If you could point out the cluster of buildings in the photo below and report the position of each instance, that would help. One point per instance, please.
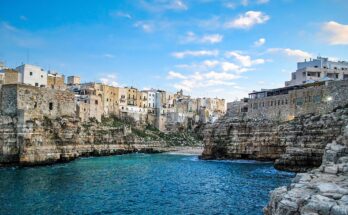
(46, 93)
(318, 86)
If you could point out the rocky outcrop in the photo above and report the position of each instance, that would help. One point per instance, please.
(320, 191)
(296, 145)
(47, 141)
(242, 139)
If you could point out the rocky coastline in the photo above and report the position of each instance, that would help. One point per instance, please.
(297, 145)
(321, 191)
(314, 146)
(49, 141)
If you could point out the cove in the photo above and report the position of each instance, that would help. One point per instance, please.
(140, 184)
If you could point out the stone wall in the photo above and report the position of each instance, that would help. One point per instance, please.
(33, 102)
(316, 98)
(296, 145)
(320, 191)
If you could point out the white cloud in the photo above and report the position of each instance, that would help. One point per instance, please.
(244, 2)
(213, 38)
(121, 14)
(260, 42)
(335, 33)
(109, 79)
(262, 1)
(191, 37)
(145, 26)
(220, 76)
(227, 66)
(211, 63)
(163, 5)
(175, 75)
(245, 60)
(8, 26)
(108, 56)
(297, 53)
(199, 53)
(234, 4)
(202, 80)
(248, 20)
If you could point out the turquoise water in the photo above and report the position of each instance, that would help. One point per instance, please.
(140, 184)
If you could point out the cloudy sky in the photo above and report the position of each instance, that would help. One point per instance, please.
(222, 48)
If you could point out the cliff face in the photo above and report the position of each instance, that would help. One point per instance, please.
(320, 191)
(48, 141)
(297, 145)
(237, 139)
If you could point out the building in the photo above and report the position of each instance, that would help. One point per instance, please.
(89, 107)
(28, 102)
(56, 81)
(11, 76)
(285, 103)
(122, 99)
(74, 80)
(320, 69)
(32, 75)
(142, 99)
(132, 96)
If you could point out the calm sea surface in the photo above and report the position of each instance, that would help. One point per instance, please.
(140, 184)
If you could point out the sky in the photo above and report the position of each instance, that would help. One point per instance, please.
(208, 48)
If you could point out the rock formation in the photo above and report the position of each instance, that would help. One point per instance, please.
(297, 145)
(49, 141)
(320, 191)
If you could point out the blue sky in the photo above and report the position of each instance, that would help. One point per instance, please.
(223, 48)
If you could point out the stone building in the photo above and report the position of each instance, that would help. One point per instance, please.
(28, 102)
(89, 107)
(122, 99)
(320, 69)
(132, 96)
(74, 80)
(32, 75)
(142, 99)
(286, 103)
(10, 76)
(56, 81)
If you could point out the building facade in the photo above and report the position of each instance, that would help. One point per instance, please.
(320, 69)
(32, 75)
(74, 80)
(56, 81)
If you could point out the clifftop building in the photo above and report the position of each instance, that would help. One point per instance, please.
(320, 69)
(74, 80)
(32, 75)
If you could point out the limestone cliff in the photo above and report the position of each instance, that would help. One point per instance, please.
(65, 138)
(320, 191)
(296, 145)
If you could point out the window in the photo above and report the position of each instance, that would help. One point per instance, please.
(96, 102)
(50, 106)
(31, 73)
(36, 84)
(316, 99)
(35, 105)
(299, 101)
(41, 76)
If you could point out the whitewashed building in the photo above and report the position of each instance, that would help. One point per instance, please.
(320, 69)
(32, 75)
